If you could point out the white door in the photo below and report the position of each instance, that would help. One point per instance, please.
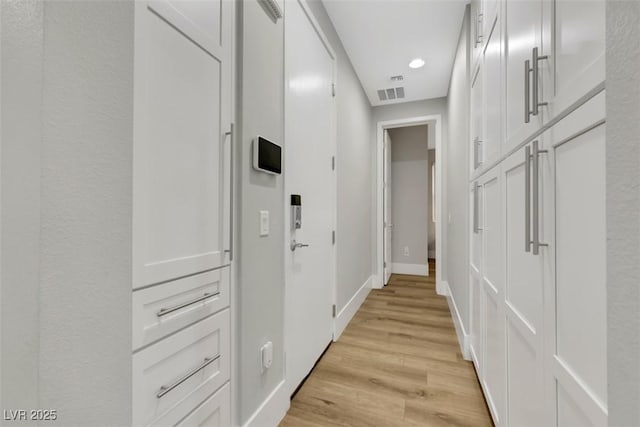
(492, 95)
(523, 296)
(578, 354)
(476, 122)
(492, 290)
(182, 114)
(388, 225)
(523, 33)
(475, 276)
(309, 147)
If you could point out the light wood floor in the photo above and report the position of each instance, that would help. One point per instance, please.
(398, 363)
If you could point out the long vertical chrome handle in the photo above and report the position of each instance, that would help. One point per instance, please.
(536, 77)
(476, 227)
(536, 198)
(527, 83)
(475, 153)
(231, 195)
(527, 199)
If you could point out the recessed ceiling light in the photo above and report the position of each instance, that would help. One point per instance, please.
(416, 63)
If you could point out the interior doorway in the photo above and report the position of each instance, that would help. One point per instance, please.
(386, 224)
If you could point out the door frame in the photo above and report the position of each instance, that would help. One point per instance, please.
(399, 123)
(334, 186)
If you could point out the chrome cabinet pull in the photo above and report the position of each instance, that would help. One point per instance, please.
(479, 29)
(231, 195)
(536, 77)
(527, 199)
(477, 152)
(476, 208)
(527, 84)
(166, 389)
(165, 311)
(536, 200)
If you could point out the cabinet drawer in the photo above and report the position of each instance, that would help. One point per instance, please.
(163, 309)
(214, 412)
(173, 376)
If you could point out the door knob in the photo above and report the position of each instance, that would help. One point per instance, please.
(295, 245)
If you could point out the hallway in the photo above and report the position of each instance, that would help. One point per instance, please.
(398, 363)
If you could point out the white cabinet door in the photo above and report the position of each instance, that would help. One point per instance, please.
(575, 35)
(578, 355)
(523, 28)
(182, 112)
(523, 296)
(476, 33)
(492, 272)
(476, 119)
(492, 96)
(475, 278)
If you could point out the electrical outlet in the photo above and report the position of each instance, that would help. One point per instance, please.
(406, 251)
(266, 353)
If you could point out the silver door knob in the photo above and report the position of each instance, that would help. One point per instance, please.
(295, 245)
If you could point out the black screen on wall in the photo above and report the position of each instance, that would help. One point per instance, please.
(269, 156)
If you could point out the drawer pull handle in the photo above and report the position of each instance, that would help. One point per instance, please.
(165, 311)
(167, 388)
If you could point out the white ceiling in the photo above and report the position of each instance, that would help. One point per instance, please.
(381, 37)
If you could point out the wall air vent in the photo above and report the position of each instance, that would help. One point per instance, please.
(391, 94)
(272, 8)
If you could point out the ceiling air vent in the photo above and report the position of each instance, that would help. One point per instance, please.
(272, 8)
(397, 78)
(391, 94)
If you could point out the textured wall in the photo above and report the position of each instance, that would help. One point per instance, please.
(86, 234)
(623, 211)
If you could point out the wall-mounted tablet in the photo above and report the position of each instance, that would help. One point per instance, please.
(267, 156)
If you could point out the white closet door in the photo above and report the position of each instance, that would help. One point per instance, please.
(576, 39)
(523, 20)
(475, 277)
(493, 379)
(579, 357)
(493, 95)
(523, 303)
(181, 150)
(476, 119)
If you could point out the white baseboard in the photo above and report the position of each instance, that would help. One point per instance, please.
(463, 337)
(413, 269)
(272, 410)
(348, 311)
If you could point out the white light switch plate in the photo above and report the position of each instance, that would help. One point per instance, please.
(264, 223)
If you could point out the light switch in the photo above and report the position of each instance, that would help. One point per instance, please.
(264, 223)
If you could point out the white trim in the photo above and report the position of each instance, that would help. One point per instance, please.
(349, 310)
(272, 410)
(379, 232)
(413, 269)
(463, 336)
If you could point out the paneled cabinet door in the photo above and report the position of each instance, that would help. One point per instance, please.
(476, 119)
(578, 354)
(575, 36)
(182, 114)
(476, 41)
(524, 83)
(475, 278)
(523, 290)
(492, 289)
(492, 96)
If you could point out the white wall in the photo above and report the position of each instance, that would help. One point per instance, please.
(22, 50)
(458, 177)
(409, 194)
(260, 285)
(623, 211)
(354, 170)
(402, 111)
(66, 209)
(431, 225)
(86, 212)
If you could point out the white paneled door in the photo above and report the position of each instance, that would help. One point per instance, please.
(309, 149)
(181, 151)
(388, 224)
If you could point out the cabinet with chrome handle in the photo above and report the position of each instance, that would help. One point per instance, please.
(532, 198)
(532, 102)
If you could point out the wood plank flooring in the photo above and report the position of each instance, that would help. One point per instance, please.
(398, 363)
